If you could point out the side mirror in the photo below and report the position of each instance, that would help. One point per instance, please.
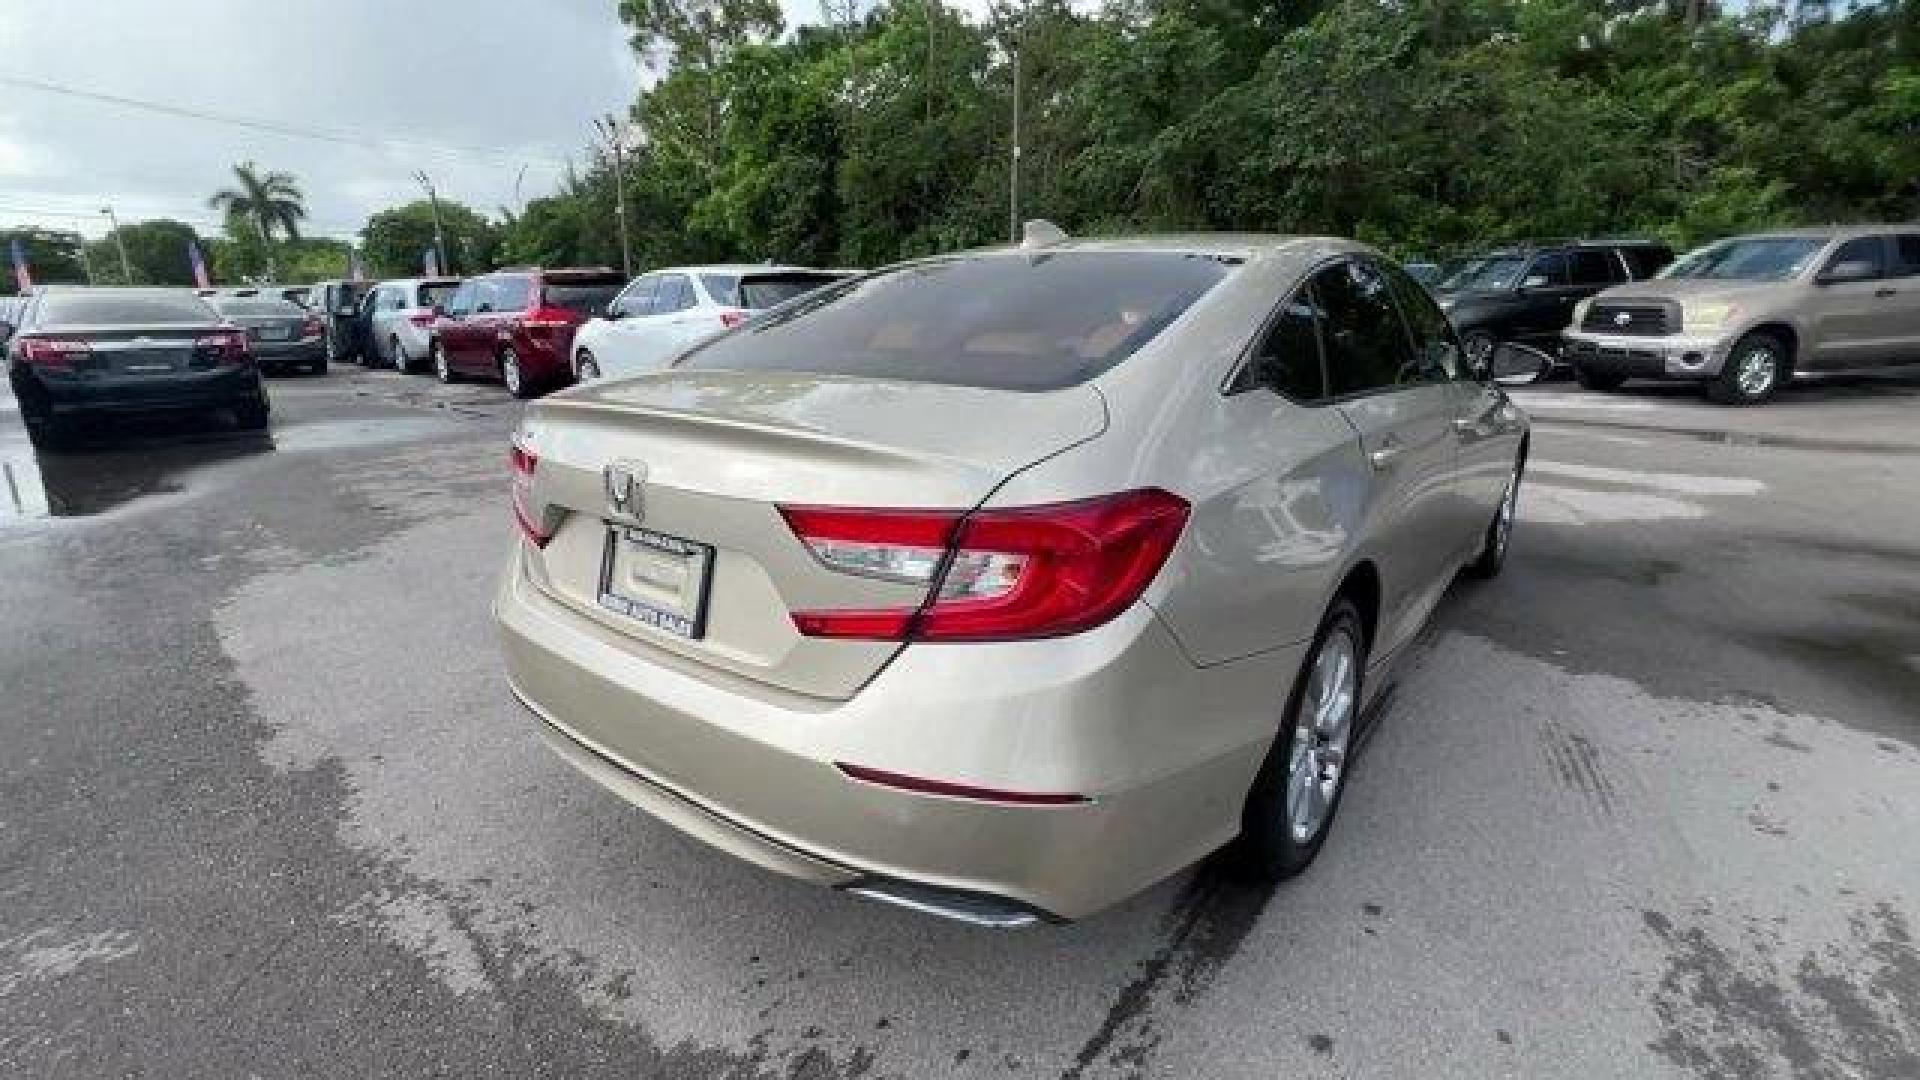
(1515, 365)
(1851, 270)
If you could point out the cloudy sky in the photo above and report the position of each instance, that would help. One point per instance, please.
(470, 91)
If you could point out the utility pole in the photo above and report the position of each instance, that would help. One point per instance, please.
(126, 265)
(86, 264)
(614, 131)
(1013, 165)
(439, 237)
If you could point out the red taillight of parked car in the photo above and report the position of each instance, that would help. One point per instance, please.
(53, 352)
(548, 319)
(226, 346)
(993, 575)
(312, 327)
(523, 461)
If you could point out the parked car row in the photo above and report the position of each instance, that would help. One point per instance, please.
(1741, 317)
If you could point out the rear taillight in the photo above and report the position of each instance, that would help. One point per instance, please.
(993, 575)
(53, 352)
(547, 319)
(312, 327)
(731, 319)
(226, 346)
(524, 461)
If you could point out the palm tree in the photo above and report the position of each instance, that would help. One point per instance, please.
(270, 202)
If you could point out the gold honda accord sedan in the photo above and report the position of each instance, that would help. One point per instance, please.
(1002, 585)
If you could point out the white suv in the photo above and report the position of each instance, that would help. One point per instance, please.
(663, 312)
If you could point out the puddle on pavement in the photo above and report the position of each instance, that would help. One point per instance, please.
(107, 471)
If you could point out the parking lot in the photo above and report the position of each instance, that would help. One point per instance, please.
(1644, 806)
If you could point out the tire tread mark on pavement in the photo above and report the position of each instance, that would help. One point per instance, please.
(1576, 761)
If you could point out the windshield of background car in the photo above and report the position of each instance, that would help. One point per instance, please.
(757, 291)
(583, 298)
(260, 309)
(1005, 321)
(1753, 258)
(1499, 272)
(130, 308)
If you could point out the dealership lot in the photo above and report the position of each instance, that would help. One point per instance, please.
(1641, 807)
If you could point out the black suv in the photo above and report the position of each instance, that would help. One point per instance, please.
(1524, 295)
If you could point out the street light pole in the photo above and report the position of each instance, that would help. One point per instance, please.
(615, 134)
(439, 237)
(126, 265)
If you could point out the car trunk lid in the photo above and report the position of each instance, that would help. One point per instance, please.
(711, 457)
(120, 351)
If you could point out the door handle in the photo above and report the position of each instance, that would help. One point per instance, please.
(1384, 455)
(1886, 292)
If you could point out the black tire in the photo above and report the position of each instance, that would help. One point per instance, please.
(1756, 367)
(1269, 846)
(252, 415)
(442, 367)
(398, 356)
(1499, 535)
(1606, 382)
(585, 367)
(514, 376)
(320, 366)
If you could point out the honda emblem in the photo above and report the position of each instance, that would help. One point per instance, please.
(624, 479)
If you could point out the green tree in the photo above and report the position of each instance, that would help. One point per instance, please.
(395, 239)
(156, 250)
(258, 206)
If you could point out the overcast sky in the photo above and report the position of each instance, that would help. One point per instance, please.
(468, 90)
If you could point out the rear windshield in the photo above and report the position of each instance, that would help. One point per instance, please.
(436, 293)
(259, 309)
(1749, 258)
(1495, 272)
(133, 308)
(1006, 321)
(582, 297)
(757, 291)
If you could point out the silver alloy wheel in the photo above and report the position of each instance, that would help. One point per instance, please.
(510, 371)
(1479, 351)
(1755, 372)
(1503, 521)
(1318, 760)
(585, 367)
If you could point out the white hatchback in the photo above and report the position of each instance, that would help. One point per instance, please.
(663, 312)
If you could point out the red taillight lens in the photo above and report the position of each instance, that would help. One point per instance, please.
(524, 461)
(547, 319)
(312, 327)
(731, 319)
(994, 575)
(53, 352)
(228, 346)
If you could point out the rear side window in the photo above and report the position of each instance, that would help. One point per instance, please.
(582, 298)
(1866, 249)
(1906, 250)
(1435, 349)
(506, 293)
(1592, 266)
(758, 291)
(1006, 321)
(1548, 269)
(1367, 346)
(1288, 359)
(1644, 262)
(460, 304)
(108, 308)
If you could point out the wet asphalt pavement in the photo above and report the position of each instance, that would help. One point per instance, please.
(1645, 806)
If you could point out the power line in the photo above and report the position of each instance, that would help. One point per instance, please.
(307, 229)
(274, 127)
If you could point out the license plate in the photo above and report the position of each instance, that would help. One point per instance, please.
(271, 333)
(656, 580)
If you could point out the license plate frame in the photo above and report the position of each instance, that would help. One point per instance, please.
(677, 608)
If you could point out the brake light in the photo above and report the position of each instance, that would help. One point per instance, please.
(312, 327)
(53, 352)
(547, 319)
(227, 346)
(731, 319)
(524, 461)
(993, 575)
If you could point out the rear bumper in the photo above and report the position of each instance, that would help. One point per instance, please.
(64, 396)
(752, 771)
(1665, 357)
(276, 354)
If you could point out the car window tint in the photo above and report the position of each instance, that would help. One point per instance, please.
(638, 299)
(1013, 320)
(1367, 347)
(722, 289)
(771, 290)
(462, 300)
(1287, 360)
(581, 297)
(1548, 268)
(1593, 266)
(436, 293)
(118, 307)
(1866, 249)
(1644, 262)
(674, 294)
(1435, 349)
(1907, 250)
